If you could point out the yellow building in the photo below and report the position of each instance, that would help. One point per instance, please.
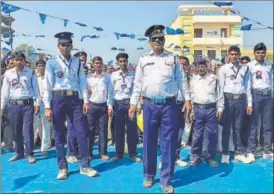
(209, 30)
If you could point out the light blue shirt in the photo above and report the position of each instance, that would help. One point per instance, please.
(120, 86)
(19, 86)
(159, 76)
(261, 75)
(61, 74)
(235, 81)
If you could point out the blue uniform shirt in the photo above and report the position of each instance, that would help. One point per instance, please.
(61, 74)
(19, 86)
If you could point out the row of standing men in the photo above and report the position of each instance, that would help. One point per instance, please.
(160, 81)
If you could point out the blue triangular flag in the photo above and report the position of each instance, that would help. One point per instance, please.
(80, 24)
(98, 28)
(83, 37)
(142, 39)
(5, 49)
(170, 31)
(223, 3)
(65, 22)
(7, 8)
(117, 35)
(43, 17)
(94, 36)
(179, 31)
(246, 27)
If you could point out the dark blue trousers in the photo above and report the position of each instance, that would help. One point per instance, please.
(235, 111)
(165, 115)
(72, 107)
(205, 120)
(98, 114)
(21, 122)
(181, 125)
(121, 119)
(262, 110)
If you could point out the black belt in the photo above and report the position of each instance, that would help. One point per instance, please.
(205, 106)
(124, 101)
(21, 101)
(230, 96)
(261, 92)
(64, 93)
(161, 100)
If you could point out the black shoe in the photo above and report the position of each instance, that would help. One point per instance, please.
(148, 183)
(212, 163)
(116, 159)
(167, 188)
(15, 158)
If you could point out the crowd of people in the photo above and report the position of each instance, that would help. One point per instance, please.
(185, 106)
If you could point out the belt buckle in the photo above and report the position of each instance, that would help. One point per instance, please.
(69, 93)
(157, 100)
(202, 106)
(236, 96)
(20, 102)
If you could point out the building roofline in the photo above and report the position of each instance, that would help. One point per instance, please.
(206, 7)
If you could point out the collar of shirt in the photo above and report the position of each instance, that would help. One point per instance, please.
(202, 77)
(102, 74)
(231, 65)
(164, 53)
(255, 62)
(24, 69)
(123, 74)
(64, 59)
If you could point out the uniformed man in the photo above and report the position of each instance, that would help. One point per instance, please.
(234, 83)
(159, 79)
(206, 109)
(119, 93)
(20, 96)
(73, 150)
(262, 93)
(65, 86)
(45, 124)
(98, 86)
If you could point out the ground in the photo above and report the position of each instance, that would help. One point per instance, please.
(126, 176)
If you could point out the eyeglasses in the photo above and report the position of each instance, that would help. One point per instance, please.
(157, 38)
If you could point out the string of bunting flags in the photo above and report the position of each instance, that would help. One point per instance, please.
(247, 27)
(9, 8)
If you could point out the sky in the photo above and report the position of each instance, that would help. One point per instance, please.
(119, 16)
